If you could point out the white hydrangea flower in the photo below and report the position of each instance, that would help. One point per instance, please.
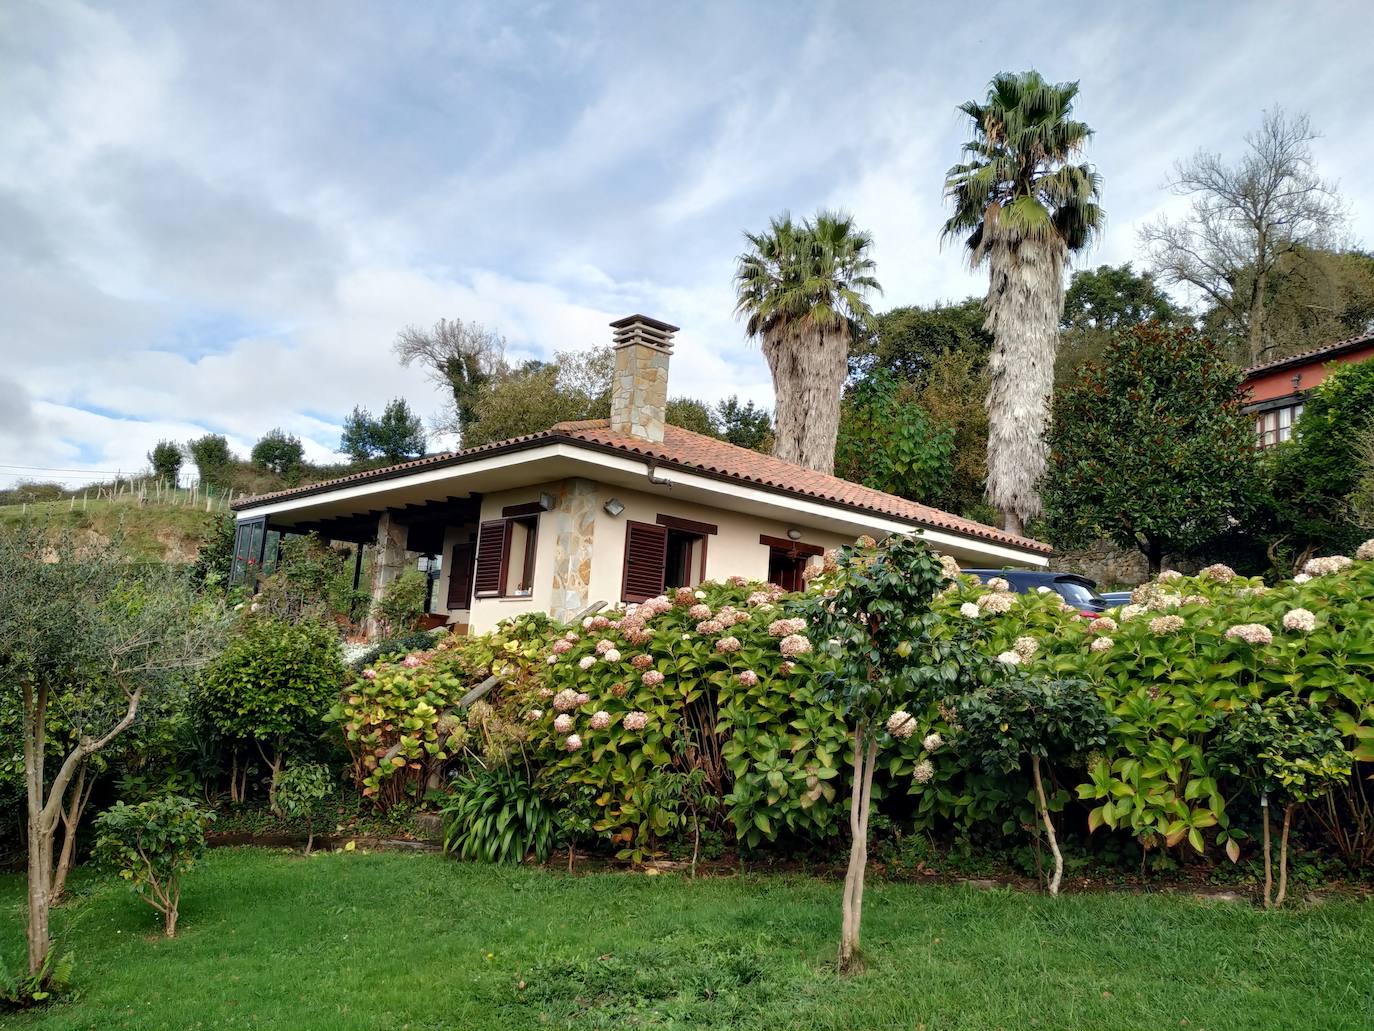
(1009, 658)
(970, 610)
(1365, 552)
(932, 742)
(1302, 578)
(924, 771)
(1300, 619)
(901, 724)
(1101, 644)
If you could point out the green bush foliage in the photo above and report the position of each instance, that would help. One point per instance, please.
(150, 845)
(302, 790)
(271, 687)
(403, 602)
(497, 815)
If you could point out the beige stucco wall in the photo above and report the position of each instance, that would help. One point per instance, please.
(487, 612)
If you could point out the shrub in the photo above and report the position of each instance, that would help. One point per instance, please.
(19, 989)
(497, 815)
(302, 790)
(272, 685)
(151, 845)
(403, 602)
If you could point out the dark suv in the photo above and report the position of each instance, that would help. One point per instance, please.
(1077, 590)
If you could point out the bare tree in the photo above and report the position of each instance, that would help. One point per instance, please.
(1246, 217)
(123, 632)
(458, 356)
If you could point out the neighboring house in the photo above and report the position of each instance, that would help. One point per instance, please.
(612, 510)
(1275, 391)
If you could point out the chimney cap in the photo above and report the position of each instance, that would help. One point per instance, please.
(630, 320)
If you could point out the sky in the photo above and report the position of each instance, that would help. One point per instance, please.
(217, 217)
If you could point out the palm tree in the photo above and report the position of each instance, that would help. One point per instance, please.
(1023, 209)
(801, 289)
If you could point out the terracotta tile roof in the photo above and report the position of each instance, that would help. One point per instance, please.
(695, 452)
(1302, 357)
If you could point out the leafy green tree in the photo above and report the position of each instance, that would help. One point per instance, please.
(214, 461)
(1032, 718)
(302, 791)
(127, 632)
(1149, 448)
(886, 442)
(271, 687)
(397, 436)
(215, 554)
(1022, 208)
(802, 289)
(150, 845)
(279, 452)
(745, 425)
(1104, 301)
(165, 458)
(691, 414)
(889, 653)
(908, 341)
(1318, 470)
(575, 385)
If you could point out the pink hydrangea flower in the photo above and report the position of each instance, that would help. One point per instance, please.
(728, 645)
(1102, 624)
(1220, 572)
(563, 723)
(412, 661)
(793, 645)
(601, 719)
(737, 581)
(545, 692)
(758, 598)
(1301, 620)
(700, 612)
(786, 627)
(1365, 552)
(998, 583)
(583, 699)
(369, 674)
(748, 677)
(534, 715)
(604, 645)
(613, 655)
(642, 661)
(1166, 624)
(710, 626)
(571, 635)
(684, 595)
(562, 647)
(573, 743)
(786, 668)
(1327, 565)
(587, 661)
(651, 678)
(996, 602)
(635, 720)
(1251, 633)
(1100, 644)
(565, 700)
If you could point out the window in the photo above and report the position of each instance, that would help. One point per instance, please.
(787, 561)
(1276, 425)
(461, 569)
(505, 555)
(669, 552)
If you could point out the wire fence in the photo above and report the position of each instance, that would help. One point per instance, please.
(143, 492)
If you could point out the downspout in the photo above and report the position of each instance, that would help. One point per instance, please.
(657, 481)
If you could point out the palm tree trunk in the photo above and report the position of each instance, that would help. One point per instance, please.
(1025, 302)
(809, 365)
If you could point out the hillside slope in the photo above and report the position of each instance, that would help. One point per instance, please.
(151, 533)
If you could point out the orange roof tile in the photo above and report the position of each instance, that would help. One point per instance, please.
(695, 452)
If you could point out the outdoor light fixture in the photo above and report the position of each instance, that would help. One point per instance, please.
(613, 507)
(794, 534)
(547, 501)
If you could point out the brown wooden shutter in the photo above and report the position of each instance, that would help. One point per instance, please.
(460, 576)
(646, 552)
(493, 554)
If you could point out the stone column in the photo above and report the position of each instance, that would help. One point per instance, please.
(388, 562)
(572, 526)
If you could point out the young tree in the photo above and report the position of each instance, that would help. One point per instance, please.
(890, 653)
(214, 461)
(802, 290)
(1022, 208)
(1246, 218)
(1027, 717)
(1150, 447)
(279, 452)
(462, 357)
(128, 632)
(150, 845)
(165, 458)
(302, 790)
(272, 685)
(745, 425)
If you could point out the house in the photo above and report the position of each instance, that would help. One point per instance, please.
(1275, 390)
(612, 510)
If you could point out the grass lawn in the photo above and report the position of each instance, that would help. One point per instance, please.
(348, 940)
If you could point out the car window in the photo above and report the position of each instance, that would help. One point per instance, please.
(1075, 592)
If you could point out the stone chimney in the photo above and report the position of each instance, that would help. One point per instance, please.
(639, 391)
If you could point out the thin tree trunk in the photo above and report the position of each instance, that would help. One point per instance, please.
(1268, 864)
(71, 820)
(1025, 302)
(847, 933)
(1283, 856)
(1049, 826)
